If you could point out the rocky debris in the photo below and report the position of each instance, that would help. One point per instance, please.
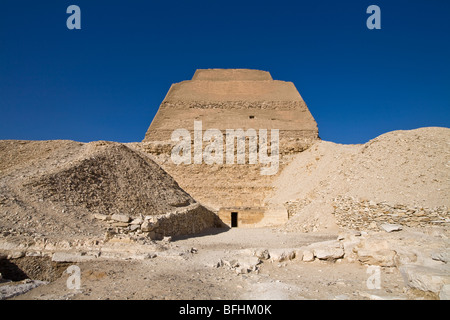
(280, 255)
(65, 189)
(327, 250)
(72, 257)
(400, 177)
(388, 227)
(421, 257)
(102, 217)
(443, 256)
(262, 254)
(143, 256)
(427, 279)
(138, 221)
(9, 291)
(78, 251)
(375, 252)
(356, 214)
(241, 264)
(121, 218)
(444, 294)
(307, 255)
(423, 267)
(292, 207)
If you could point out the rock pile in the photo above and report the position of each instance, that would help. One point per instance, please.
(408, 168)
(56, 189)
(422, 258)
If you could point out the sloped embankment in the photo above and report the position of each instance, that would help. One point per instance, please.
(400, 176)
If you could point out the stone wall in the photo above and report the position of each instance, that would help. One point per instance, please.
(182, 221)
(246, 216)
(292, 118)
(359, 214)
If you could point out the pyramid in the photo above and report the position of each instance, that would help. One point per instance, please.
(235, 99)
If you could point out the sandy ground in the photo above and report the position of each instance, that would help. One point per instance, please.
(192, 276)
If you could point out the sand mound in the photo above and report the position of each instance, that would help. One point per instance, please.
(408, 170)
(53, 188)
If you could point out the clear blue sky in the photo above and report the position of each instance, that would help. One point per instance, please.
(106, 81)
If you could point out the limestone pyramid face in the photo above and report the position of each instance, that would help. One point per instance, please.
(232, 99)
(235, 99)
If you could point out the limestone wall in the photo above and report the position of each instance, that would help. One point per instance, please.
(361, 214)
(185, 221)
(231, 74)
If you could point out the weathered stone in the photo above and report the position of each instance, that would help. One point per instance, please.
(299, 254)
(348, 246)
(137, 221)
(230, 262)
(102, 217)
(280, 255)
(425, 278)
(404, 256)
(134, 227)
(241, 270)
(16, 254)
(9, 291)
(375, 252)
(390, 227)
(308, 256)
(262, 254)
(444, 294)
(119, 225)
(120, 218)
(443, 256)
(147, 226)
(329, 253)
(34, 254)
(152, 235)
(193, 250)
(71, 257)
(383, 258)
(217, 264)
(327, 250)
(249, 262)
(143, 256)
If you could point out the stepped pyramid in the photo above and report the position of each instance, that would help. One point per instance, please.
(232, 99)
(235, 99)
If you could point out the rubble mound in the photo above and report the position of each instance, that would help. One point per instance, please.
(54, 188)
(398, 177)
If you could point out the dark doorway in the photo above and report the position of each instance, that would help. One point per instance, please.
(234, 219)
